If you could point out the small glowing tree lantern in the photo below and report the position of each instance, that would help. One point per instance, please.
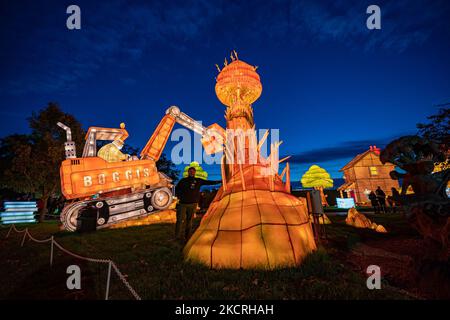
(319, 179)
(199, 171)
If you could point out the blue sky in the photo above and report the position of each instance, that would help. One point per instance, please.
(330, 85)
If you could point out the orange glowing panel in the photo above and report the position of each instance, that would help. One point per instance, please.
(165, 216)
(255, 228)
(213, 142)
(87, 176)
(238, 82)
(158, 140)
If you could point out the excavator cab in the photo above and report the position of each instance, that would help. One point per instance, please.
(95, 134)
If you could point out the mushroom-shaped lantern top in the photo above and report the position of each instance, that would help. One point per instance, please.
(238, 84)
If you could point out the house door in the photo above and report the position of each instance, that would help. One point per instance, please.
(352, 195)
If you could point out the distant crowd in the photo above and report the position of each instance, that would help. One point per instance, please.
(378, 200)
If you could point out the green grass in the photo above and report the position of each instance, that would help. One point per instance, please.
(155, 268)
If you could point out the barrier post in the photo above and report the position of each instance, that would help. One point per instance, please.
(24, 236)
(51, 252)
(53, 243)
(108, 280)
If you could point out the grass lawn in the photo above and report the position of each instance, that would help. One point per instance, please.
(154, 266)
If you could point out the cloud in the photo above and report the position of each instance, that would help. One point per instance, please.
(40, 55)
(403, 23)
(50, 58)
(347, 149)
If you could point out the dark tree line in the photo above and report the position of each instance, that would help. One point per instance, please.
(437, 129)
(30, 162)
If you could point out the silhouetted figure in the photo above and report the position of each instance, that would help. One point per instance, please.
(374, 201)
(391, 204)
(393, 199)
(381, 196)
(188, 191)
(395, 193)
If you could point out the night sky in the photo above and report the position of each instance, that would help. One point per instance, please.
(330, 85)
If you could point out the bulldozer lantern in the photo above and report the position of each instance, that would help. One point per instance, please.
(120, 190)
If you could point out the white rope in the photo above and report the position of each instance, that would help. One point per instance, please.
(78, 256)
(9, 231)
(110, 262)
(36, 240)
(24, 237)
(18, 231)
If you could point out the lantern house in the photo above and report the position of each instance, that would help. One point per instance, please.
(365, 173)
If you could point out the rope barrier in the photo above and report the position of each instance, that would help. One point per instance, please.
(9, 231)
(36, 240)
(111, 264)
(18, 231)
(78, 256)
(125, 282)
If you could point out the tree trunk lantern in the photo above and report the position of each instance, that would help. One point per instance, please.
(253, 222)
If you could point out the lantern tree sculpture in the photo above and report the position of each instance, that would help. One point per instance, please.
(319, 179)
(199, 171)
(254, 221)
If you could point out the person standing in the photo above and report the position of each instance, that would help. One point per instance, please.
(390, 202)
(395, 198)
(374, 201)
(381, 197)
(188, 192)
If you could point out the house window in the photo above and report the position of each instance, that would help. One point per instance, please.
(373, 171)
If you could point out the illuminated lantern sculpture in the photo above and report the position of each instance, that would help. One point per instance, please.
(199, 171)
(253, 222)
(18, 212)
(317, 178)
(358, 220)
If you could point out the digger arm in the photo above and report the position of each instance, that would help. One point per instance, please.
(155, 146)
(158, 140)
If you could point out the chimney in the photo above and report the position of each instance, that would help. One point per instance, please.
(375, 149)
